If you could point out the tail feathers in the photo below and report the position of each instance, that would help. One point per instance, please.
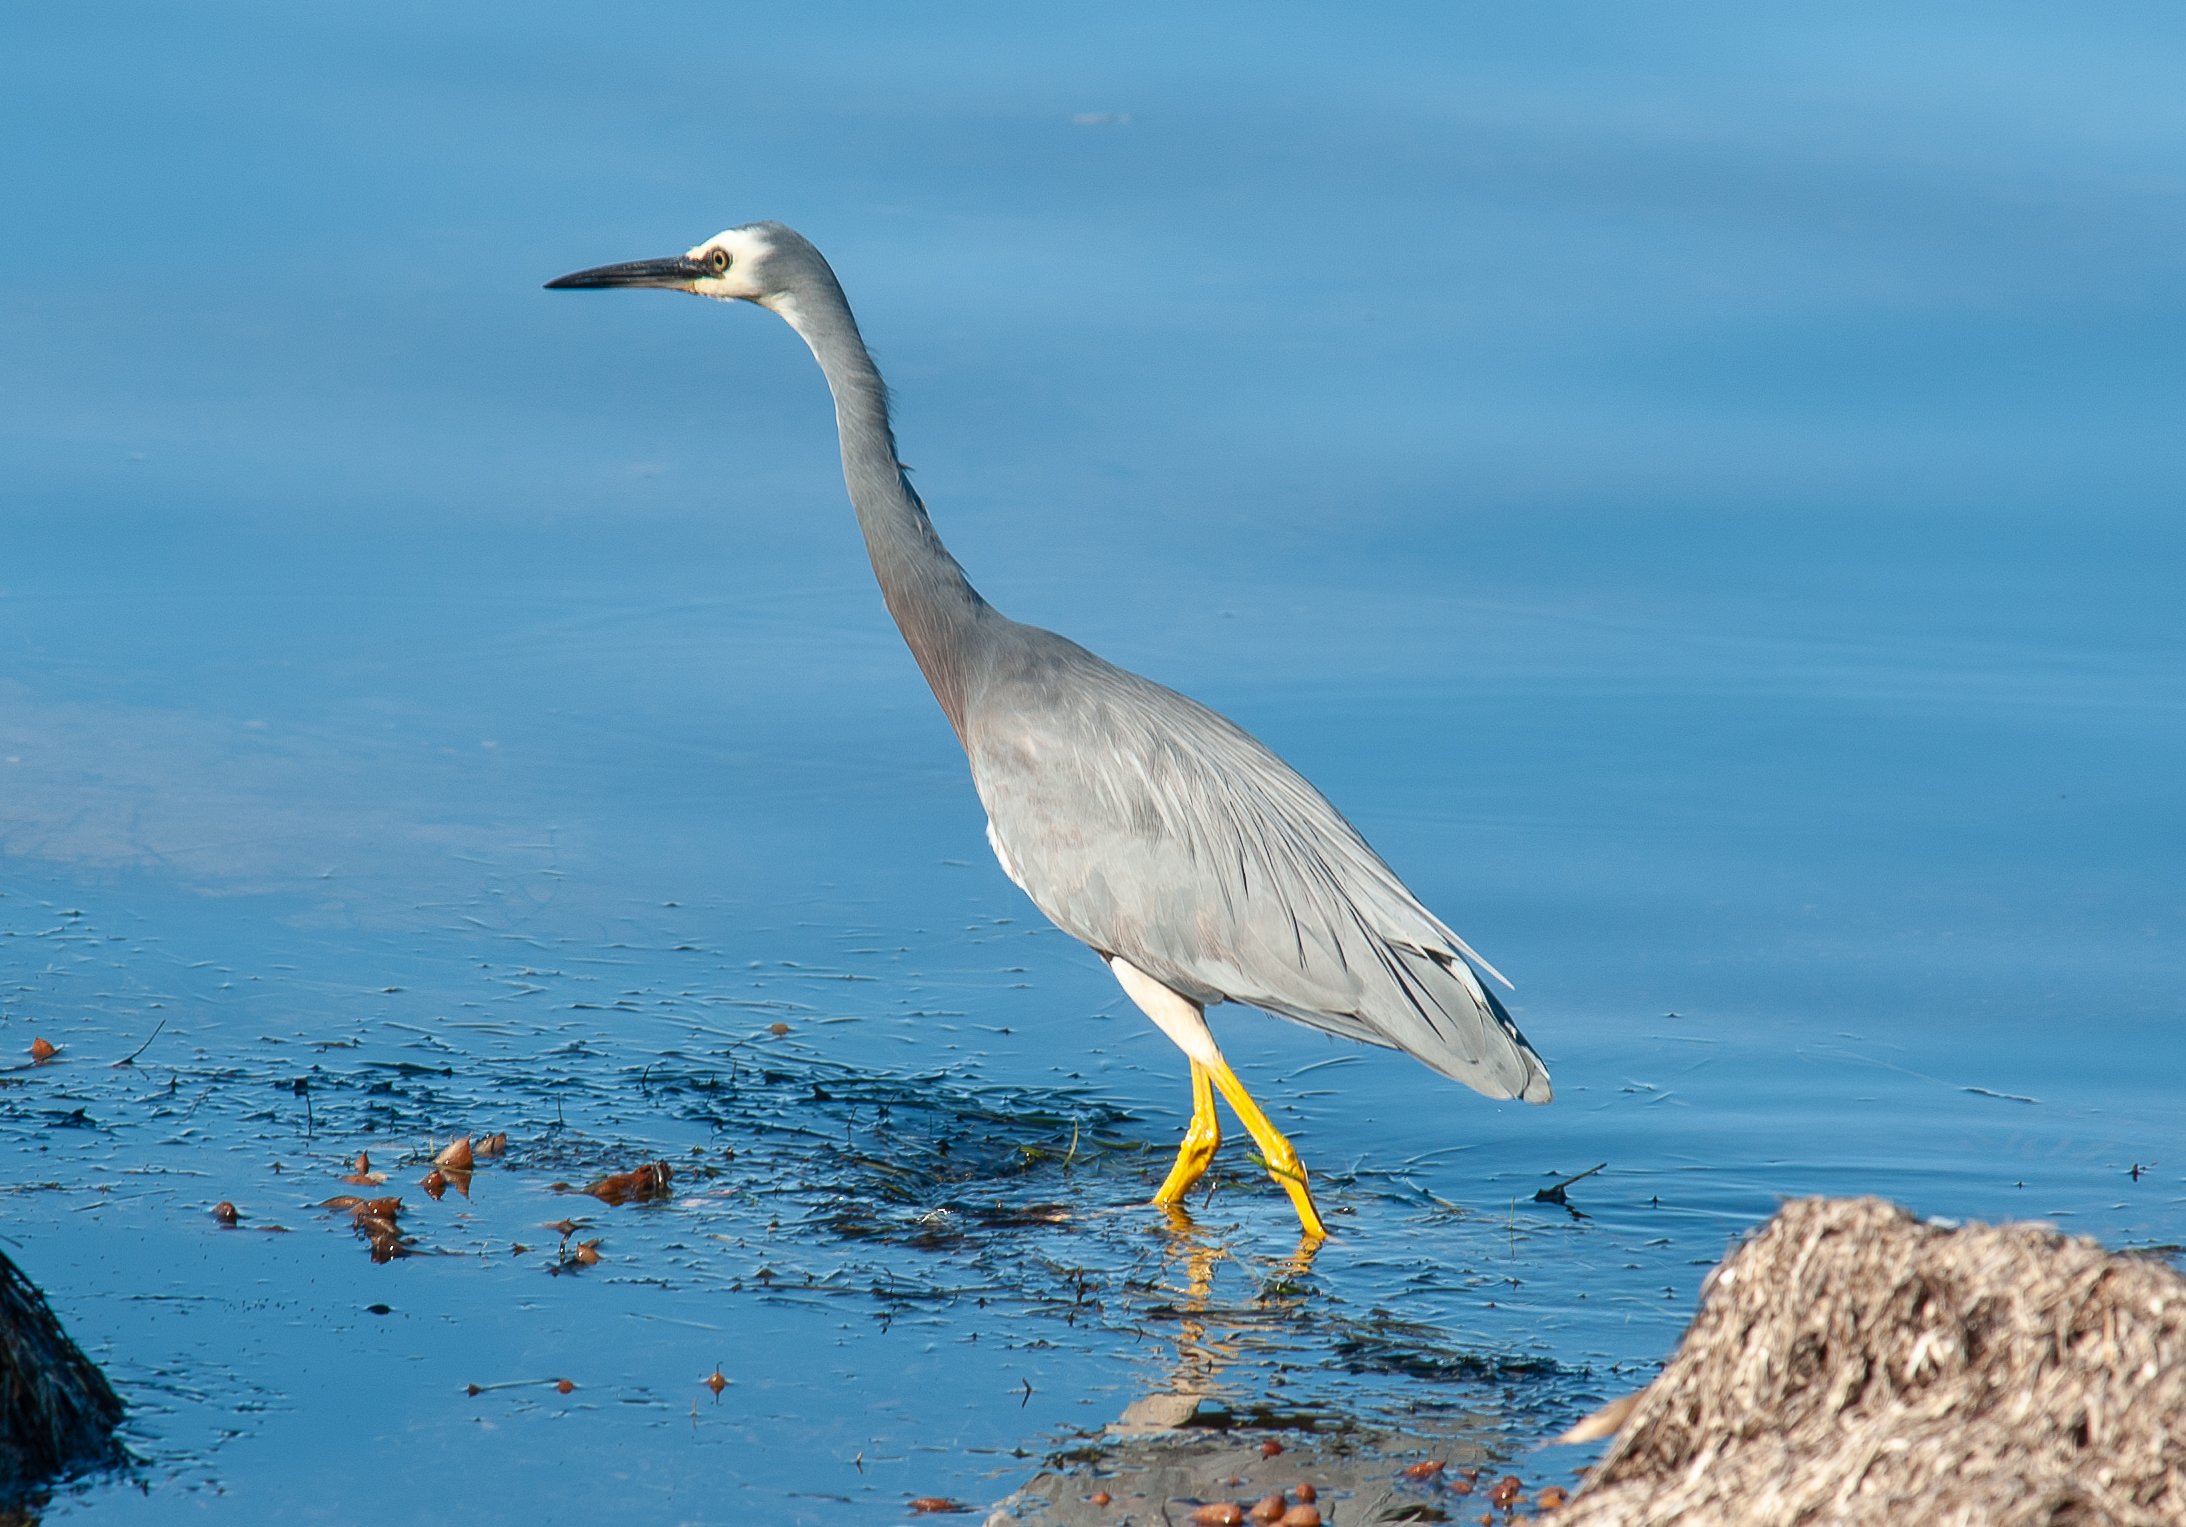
(1457, 1026)
(1537, 1088)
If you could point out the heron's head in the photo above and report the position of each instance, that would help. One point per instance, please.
(759, 262)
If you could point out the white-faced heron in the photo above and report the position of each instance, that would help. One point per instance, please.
(1199, 865)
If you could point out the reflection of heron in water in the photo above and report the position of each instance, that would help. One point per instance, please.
(1192, 859)
(1209, 1337)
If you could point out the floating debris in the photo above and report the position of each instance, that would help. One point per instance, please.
(375, 1219)
(1559, 1192)
(639, 1185)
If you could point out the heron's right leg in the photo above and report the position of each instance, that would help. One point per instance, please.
(1200, 1140)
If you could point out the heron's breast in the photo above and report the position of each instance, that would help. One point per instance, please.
(1002, 856)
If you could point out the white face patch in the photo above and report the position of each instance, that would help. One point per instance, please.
(745, 249)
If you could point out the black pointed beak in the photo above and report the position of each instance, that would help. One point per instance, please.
(673, 274)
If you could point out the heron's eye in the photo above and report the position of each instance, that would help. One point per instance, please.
(719, 260)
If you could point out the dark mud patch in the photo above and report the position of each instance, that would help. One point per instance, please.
(1171, 1459)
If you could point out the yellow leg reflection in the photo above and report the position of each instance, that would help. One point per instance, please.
(1283, 1163)
(1211, 1333)
(1200, 1141)
(1200, 1358)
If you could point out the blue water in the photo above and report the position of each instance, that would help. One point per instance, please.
(1698, 489)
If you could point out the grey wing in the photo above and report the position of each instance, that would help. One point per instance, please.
(1149, 827)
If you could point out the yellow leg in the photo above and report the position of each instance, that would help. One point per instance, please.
(1200, 1139)
(1283, 1163)
(1179, 1017)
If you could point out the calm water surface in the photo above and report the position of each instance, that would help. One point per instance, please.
(1700, 492)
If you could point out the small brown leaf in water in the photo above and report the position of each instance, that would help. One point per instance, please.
(565, 1228)
(362, 1174)
(777, 1029)
(374, 1219)
(1270, 1508)
(1460, 1486)
(1507, 1490)
(1307, 1493)
(1426, 1468)
(1221, 1513)
(434, 1182)
(564, 1386)
(638, 1185)
(491, 1145)
(1302, 1516)
(225, 1213)
(1551, 1498)
(587, 1253)
(1270, 1448)
(473, 1390)
(43, 1049)
(1101, 1498)
(717, 1381)
(455, 1154)
(927, 1505)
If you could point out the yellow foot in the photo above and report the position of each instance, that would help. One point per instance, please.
(1200, 1140)
(1282, 1161)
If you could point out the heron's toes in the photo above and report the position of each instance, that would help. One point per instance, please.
(1285, 1167)
(1192, 1160)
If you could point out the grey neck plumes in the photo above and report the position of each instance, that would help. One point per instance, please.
(933, 603)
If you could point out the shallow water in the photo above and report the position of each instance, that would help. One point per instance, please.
(1701, 500)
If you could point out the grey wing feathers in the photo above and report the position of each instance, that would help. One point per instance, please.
(1149, 827)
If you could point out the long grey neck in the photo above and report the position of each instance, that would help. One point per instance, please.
(933, 603)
